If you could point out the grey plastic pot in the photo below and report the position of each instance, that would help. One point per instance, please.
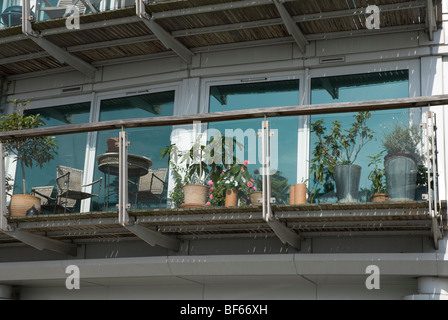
(401, 177)
(347, 179)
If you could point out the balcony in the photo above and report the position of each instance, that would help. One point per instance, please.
(119, 216)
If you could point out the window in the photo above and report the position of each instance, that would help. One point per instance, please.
(358, 87)
(71, 147)
(147, 141)
(260, 95)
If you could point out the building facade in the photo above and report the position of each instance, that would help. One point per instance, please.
(103, 66)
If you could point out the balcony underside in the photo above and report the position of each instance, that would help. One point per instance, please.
(186, 28)
(311, 220)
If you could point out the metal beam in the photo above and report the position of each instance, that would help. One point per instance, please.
(41, 242)
(153, 237)
(65, 57)
(55, 51)
(291, 26)
(430, 19)
(166, 38)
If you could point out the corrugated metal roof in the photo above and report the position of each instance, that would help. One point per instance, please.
(199, 24)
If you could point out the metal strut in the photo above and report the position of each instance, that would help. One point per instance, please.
(285, 234)
(432, 176)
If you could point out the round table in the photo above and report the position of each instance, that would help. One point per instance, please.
(108, 163)
(137, 165)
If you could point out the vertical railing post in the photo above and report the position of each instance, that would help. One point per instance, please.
(432, 176)
(123, 204)
(266, 170)
(26, 18)
(3, 209)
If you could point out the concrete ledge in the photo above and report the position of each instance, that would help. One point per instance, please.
(411, 265)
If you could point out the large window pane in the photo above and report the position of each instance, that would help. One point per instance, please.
(261, 95)
(71, 147)
(350, 88)
(145, 142)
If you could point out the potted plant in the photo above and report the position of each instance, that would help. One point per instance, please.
(189, 190)
(336, 152)
(237, 183)
(402, 160)
(377, 176)
(28, 151)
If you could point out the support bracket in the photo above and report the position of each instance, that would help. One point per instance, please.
(41, 242)
(165, 37)
(430, 19)
(291, 26)
(61, 55)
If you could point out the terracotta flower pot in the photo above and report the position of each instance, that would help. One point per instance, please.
(300, 193)
(112, 145)
(379, 197)
(21, 203)
(195, 195)
(231, 198)
(254, 196)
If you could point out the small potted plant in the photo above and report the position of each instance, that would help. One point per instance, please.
(190, 189)
(337, 150)
(237, 183)
(402, 161)
(377, 176)
(28, 151)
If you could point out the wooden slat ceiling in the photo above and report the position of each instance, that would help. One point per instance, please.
(199, 25)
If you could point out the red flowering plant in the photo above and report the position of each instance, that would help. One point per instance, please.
(235, 176)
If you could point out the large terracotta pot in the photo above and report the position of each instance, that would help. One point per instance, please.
(195, 195)
(231, 198)
(21, 203)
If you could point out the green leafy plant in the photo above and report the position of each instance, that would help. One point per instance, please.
(29, 151)
(378, 175)
(404, 139)
(338, 146)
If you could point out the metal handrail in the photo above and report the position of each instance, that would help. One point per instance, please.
(271, 112)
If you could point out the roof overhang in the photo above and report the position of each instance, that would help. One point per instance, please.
(185, 28)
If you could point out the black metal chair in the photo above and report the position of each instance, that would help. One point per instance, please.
(69, 182)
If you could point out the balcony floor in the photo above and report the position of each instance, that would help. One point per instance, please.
(310, 220)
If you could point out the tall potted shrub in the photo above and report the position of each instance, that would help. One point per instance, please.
(336, 151)
(402, 161)
(28, 152)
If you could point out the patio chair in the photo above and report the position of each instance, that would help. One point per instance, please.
(60, 9)
(151, 185)
(69, 182)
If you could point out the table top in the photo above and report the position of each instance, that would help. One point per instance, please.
(137, 165)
